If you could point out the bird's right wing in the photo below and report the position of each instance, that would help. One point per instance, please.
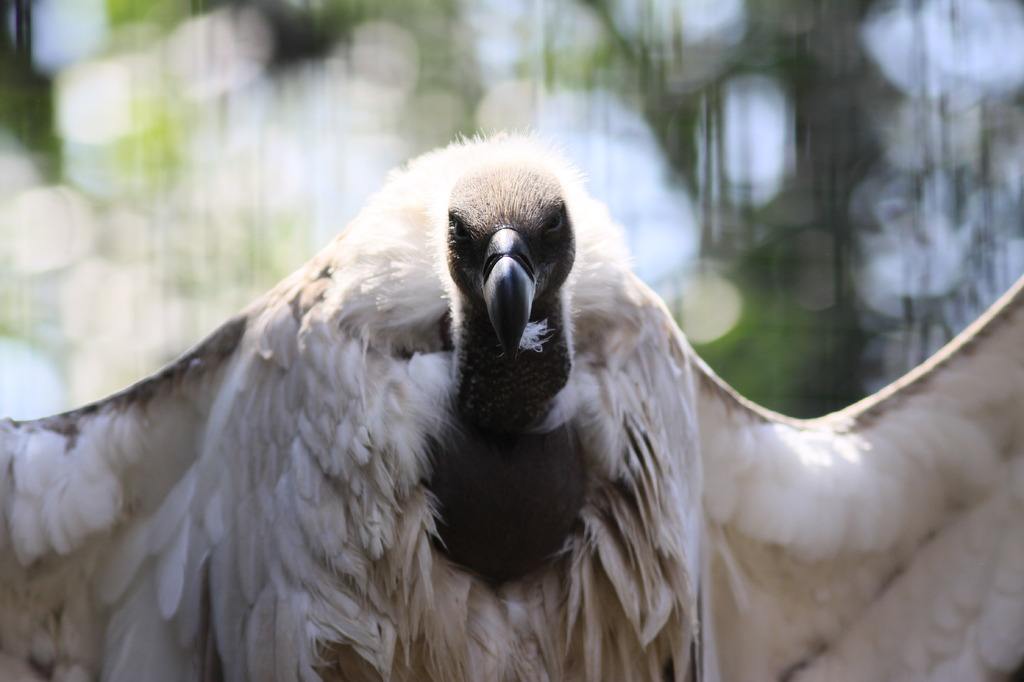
(82, 491)
(259, 496)
(882, 542)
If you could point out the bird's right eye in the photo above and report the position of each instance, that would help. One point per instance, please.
(458, 227)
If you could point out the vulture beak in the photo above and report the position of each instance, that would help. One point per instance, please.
(509, 285)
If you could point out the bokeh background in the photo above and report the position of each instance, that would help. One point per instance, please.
(824, 191)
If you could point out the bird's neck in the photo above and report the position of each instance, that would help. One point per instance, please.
(502, 394)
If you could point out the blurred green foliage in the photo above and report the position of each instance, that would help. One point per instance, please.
(200, 150)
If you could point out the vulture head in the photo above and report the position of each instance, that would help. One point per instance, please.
(510, 248)
(509, 486)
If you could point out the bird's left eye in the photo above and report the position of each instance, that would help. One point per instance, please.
(555, 223)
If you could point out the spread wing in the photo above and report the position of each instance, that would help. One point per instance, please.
(882, 542)
(142, 535)
(83, 491)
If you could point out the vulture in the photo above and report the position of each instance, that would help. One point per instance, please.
(465, 442)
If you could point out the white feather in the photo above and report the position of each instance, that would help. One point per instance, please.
(170, 573)
(534, 336)
(883, 542)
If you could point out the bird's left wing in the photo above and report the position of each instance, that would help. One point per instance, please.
(885, 541)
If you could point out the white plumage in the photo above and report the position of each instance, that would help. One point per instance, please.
(260, 509)
(882, 542)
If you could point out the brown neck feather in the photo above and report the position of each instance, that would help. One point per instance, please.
(503, 394)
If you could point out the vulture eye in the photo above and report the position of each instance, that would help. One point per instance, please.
(458, 227)
(553, 226)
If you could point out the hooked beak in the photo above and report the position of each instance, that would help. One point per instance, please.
(509, 286)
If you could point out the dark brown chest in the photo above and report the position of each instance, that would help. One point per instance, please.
(507, 502)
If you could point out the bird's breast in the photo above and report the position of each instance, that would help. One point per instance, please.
(507, 502)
